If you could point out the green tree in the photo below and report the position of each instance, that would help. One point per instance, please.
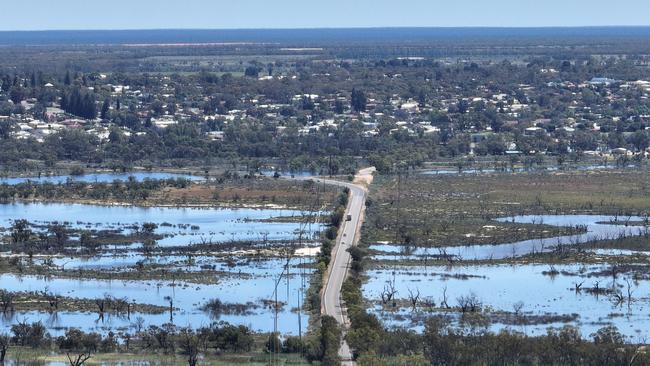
(105, 108)
(60, 234)
(67, 80)
(252, 71)
(358, 100)
(330, 341)
(4, 347)
(17, 94)
(20, 231)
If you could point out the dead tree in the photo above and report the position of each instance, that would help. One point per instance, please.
(629, 291)
(618, 298)
(614, 274)
(639, 351)
(7, 300)
(190, 345)
(192, 358)
(442, 254)
(444, 298)
(79, 360)
(120, 306)
(101, 306)
(578, 287)
(414, 297)
(138, 324)
(388, 293)
(171, 308)
(52, 299)
(469, 303)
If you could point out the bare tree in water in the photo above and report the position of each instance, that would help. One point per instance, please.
(78, 360)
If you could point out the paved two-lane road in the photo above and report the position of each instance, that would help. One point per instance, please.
(331, 303)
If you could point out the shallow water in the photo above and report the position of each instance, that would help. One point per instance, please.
(252, 282)
(502, 286)
(618, 252)
(98, 177)
(478, 171)
(174, 261)
(214, 224)
(596, 226)
(244, 279)
(284, 173)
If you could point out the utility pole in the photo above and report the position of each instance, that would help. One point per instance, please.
(275, 321)
(288, 276)
(330, 165)
(399, 196)
(305, 224)
(274, 353)
(300, 295)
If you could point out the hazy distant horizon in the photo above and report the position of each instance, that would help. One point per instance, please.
(45, 15)
(323, 36)
(471, 27)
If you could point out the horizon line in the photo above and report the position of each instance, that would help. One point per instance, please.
(541, 27)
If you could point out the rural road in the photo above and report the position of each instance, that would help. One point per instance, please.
(349, 233)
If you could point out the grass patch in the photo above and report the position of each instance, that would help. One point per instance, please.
(460, 210)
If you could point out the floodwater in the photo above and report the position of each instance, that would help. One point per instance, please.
(547, 294)
(130, 259)
(478, 171)
(181, 226)
(99, 177)
(243, 277)
(247, 283)
(599, 227)
(543, 290)
(286, 173)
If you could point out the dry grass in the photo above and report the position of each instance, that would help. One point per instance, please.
(454, 210)
(254, 192)
(37, 356)
(249, 192)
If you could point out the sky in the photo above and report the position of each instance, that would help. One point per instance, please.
(228, 14)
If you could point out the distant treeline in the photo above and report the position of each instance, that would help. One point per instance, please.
(118, 190)
(327, 37)
(124, 51)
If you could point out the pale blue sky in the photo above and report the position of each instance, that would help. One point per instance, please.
(148, 14)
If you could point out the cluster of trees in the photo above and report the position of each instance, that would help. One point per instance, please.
(328, 343)
(79, 102)
(217, 338)
(358, 100)
(53, 238)
(323, 346)
(445, 346)
(117, 190)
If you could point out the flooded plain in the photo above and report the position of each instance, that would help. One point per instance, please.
(244, 276)
(98, 178)
(507, 170)
(549, 296)
(180, 226)
(597, 227)
(526, 298)
(252, 284)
